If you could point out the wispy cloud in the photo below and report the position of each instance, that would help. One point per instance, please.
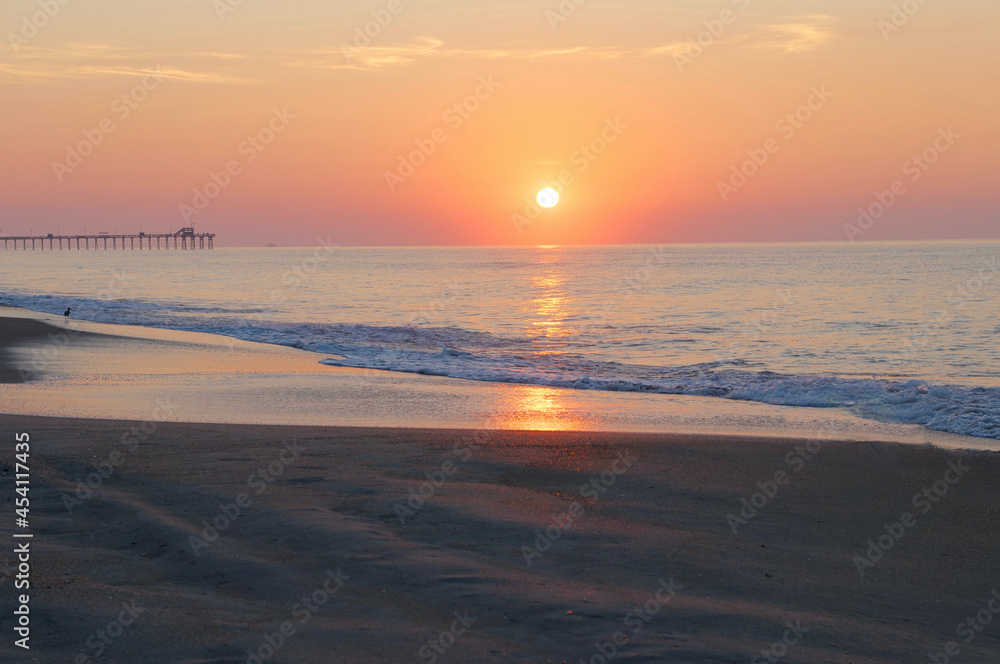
(669, 49)
(802, 34)
(372, 57)
(161, 72)
(81, 61)
(399, 55)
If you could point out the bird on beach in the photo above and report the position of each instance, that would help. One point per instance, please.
(67, 314)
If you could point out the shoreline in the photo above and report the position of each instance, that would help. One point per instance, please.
(424, 523)
(120, 372)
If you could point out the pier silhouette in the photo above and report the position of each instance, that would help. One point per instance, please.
(185, 238)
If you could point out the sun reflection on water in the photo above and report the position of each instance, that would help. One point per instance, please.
(547, 309)
(540, 409)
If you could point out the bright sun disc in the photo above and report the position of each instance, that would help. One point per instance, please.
(548, 197)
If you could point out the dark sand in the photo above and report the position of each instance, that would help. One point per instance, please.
(334, 507)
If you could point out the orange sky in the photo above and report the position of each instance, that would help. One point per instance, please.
(309, 132)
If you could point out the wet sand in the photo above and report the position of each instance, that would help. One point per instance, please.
(100, 371)
(14, 331)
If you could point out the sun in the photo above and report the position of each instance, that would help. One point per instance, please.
(548, 197)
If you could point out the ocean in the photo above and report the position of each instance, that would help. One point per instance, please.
(895, 332)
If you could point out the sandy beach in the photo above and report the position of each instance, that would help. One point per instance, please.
(305, 501)
(158, 541)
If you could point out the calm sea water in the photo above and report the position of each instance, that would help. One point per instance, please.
(896, 332)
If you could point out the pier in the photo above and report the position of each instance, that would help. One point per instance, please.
(185, 238)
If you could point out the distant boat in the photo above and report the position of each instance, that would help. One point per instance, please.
(270, 244)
